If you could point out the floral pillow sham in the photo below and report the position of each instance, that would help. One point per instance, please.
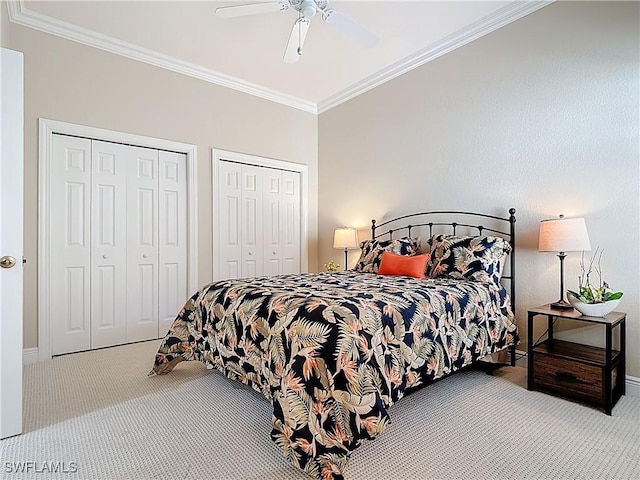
(371, 256)
(465, 257)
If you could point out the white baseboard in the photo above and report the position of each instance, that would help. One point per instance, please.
(30, 355)
(632, 386)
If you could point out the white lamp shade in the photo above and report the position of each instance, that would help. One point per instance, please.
(345, 238)
(563, 235)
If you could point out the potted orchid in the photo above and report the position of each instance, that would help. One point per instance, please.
(331, 266)
(595, 301)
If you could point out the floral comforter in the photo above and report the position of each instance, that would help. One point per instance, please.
(332, 352)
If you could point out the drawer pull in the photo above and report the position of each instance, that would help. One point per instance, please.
(570, 377)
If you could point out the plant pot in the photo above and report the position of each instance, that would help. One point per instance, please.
(593, 309)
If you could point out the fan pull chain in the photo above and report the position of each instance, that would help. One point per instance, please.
(299, 34)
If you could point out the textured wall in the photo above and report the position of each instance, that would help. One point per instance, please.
(73, 83)
(541, 115)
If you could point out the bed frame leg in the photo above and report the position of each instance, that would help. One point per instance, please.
(512, 351)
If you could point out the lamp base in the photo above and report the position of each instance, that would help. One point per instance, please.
(561, 305)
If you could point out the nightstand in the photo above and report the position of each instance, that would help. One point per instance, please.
(593, 375)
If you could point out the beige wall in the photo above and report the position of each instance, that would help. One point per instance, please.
(4, 26)
(73, 83)
(541, 115)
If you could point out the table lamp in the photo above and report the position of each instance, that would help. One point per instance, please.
(346, 238)
(563, 235)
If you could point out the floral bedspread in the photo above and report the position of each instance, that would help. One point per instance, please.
(332, 352)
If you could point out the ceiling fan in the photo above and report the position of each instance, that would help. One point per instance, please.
(306, 11)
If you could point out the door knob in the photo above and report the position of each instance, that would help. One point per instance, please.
(7, 261)
(105, 256)
(144, 255)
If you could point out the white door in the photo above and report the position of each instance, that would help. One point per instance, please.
(258, 223)
(70, 262)
(11, 249)
(108, 244)
(172, 237)
(251, 217)
(118, 242)
(290, 225)
(228, 235)
(142, 244)
(281, 221)
(272, 221)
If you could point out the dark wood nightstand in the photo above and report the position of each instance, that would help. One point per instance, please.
(593, 375)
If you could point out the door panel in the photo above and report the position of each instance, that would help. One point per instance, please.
(251, 217)
(228, 206)
(104, 303)
(290, 248)
(142, 243)
(109, 244)
(172, 241)
(70, 245)
(272, 220)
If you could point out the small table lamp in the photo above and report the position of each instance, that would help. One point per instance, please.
(346, 238)
(563, 235)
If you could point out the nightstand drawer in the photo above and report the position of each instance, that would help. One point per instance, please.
(568, 377)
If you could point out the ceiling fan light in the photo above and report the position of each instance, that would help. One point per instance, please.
(308, 8)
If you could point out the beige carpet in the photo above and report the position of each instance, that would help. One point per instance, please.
(99, 413)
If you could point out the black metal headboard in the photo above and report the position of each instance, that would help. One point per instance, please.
(434, 219)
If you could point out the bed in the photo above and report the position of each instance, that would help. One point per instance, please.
(333, 351)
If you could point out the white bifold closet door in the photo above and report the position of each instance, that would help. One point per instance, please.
(172, 237)
(252, 262)
(258, 221)
(281, 221)
(70, 245)
(108, 244)
(121, 229)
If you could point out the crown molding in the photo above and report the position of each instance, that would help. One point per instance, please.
(473, 31)
(21, 15)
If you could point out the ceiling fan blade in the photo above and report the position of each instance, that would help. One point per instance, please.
(251, 9)
(296, 40)
(350, 28)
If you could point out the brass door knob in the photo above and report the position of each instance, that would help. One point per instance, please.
(7, 261)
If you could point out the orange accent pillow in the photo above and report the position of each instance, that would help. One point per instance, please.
(410, 266)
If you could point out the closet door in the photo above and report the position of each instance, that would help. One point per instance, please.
(109, 244)
(228, 207)
(172, 238)
(281, 221)
(70, 229)
(258, 223)
(142, 244)
(290, 225)
(251, 217)
(272, 220)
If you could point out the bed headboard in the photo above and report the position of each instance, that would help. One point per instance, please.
(456, 222)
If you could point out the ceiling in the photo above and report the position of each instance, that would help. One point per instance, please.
(245, 53)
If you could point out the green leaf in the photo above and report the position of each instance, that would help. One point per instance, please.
(613, 296)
